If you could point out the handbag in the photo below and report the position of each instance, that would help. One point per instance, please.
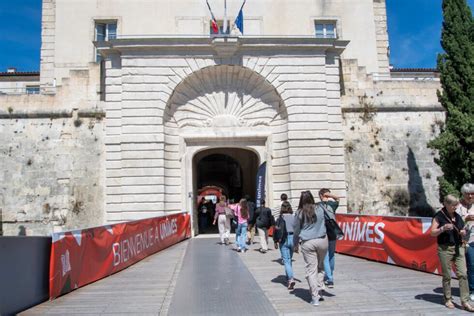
(333, 230)
(279, 233)
(229, 212)
(463, 240)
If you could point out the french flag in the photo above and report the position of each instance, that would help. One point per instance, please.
(215, 27)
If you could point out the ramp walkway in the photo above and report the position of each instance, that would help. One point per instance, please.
(214, 281)
(201, 277)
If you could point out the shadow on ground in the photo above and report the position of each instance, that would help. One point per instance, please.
(437, 298)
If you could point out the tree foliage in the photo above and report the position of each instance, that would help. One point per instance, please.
(455, 142)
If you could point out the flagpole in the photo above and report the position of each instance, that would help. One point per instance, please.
(214, 25)
(224, 27)
(242, 5)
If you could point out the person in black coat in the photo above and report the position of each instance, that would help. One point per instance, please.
(264, 220)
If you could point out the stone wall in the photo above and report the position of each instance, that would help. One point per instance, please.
(51, 158)
(51, 174)
(389, 169)
(387, 125)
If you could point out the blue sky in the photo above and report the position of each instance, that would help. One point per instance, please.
(414, 32)
(414, 28)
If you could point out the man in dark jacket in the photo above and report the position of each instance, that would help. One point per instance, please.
(264, 220)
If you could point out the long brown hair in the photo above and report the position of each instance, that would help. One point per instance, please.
(244, 208)
(306, 207)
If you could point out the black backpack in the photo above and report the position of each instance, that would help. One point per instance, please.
(265, 218)
(280, 233)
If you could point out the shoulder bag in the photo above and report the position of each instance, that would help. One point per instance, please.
(333, 230)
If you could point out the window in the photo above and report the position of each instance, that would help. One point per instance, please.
(220, 24)
(32, 89)
(105, 31)
(325, 29)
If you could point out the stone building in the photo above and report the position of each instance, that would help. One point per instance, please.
(141, 105)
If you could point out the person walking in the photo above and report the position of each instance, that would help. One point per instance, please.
(466, 210)
(264, 220)
(251, 220)
(283, 239)
(277, 209)
(310, 231)
(203, 213)
(241, 211)
(448, 227)
(329, 202)
(222, 217)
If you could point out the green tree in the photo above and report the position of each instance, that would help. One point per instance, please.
(455, 142)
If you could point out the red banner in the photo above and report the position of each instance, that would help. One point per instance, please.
(84, 256)
(402, 241)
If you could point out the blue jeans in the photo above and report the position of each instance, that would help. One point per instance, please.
(241, 235)
(470, 267)
(286, 251)
(330, 261)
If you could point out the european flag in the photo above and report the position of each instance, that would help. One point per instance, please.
(239, 21)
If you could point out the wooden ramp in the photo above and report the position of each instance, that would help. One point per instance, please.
(150, 287)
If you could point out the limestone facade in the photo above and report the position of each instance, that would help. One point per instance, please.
(283, 104)
(118, 141)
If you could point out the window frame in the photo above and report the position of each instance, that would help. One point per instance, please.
(32, 89)
(325, 23)
(107, 31)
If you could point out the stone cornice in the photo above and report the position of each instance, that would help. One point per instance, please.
(389, 109)
(222, 46)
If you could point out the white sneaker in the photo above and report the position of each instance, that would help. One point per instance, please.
(315, 302)
(471, 297)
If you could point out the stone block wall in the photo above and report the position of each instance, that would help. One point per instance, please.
(387, 125)
(51, 159)
(389, 168)
(306, 146)
(51, 174)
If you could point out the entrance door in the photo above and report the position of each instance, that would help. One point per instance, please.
(222, 171)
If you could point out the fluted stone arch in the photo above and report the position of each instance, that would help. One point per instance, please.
(238, 95)
(222, 102)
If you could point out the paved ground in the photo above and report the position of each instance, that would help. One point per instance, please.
(157, 285)
(214, 281)
(145, 288)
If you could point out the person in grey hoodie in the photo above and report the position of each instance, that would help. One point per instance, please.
(310, 231)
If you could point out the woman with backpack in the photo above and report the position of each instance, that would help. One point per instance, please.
(310, 231)
(283, 239)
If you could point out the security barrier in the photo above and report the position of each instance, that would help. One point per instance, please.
(401, 241)
(84, 256)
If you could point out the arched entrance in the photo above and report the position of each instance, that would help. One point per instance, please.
(215, 110)
(228, 171)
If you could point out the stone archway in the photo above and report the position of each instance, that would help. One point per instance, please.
(222, 106)
(233, 170)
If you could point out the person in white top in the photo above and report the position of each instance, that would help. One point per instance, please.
(466, 210)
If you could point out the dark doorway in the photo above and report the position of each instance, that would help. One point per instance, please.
(232, 170)
(221, 171)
